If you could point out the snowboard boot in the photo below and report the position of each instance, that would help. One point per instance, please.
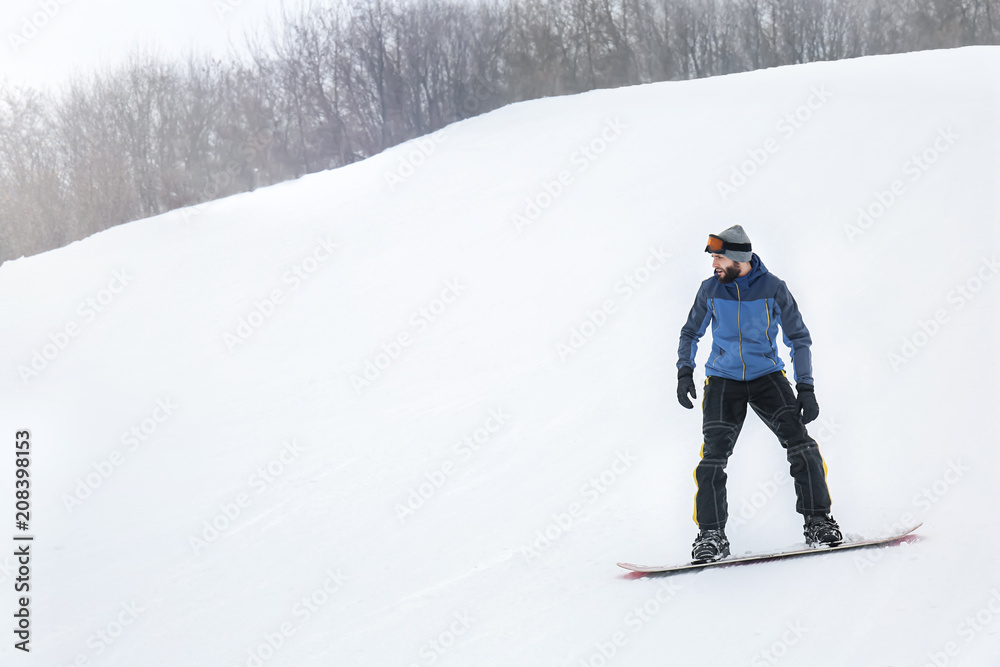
(709, 546)
(822, 530)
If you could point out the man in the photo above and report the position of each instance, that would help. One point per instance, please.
(745, 305)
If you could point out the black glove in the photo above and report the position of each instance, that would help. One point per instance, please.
(807, 402)
(685, 386)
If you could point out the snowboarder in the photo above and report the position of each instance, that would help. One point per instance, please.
(746, 304)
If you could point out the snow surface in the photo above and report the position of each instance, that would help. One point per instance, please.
(216, 482)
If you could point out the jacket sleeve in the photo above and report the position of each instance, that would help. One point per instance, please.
(795, 333)
(694, 329)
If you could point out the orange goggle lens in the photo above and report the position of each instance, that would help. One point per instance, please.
(715, 245)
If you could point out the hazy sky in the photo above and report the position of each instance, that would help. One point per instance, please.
(43, 42)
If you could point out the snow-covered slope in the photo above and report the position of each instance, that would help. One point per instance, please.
(411, 412)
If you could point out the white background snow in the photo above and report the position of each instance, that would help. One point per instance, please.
(412, 412)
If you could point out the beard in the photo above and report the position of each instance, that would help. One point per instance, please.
(728, 274)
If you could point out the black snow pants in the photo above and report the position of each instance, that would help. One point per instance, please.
(725, 407)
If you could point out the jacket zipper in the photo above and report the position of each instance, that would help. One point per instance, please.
(767, 311)
(739, 328)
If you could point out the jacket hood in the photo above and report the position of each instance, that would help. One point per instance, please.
(757, 269)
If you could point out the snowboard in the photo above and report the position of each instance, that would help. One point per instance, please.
(774, 555)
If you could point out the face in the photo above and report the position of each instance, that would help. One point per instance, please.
(726, 270)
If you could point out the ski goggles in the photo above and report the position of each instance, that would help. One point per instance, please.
(718, 246)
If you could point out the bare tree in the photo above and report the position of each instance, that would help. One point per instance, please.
(335, 83)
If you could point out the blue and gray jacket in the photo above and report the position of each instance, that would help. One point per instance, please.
(745, 315)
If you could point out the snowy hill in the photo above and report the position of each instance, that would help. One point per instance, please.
(411, 412)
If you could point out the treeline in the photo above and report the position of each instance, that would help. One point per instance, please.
(333, 85)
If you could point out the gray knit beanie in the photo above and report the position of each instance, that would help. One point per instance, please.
(733, 244)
